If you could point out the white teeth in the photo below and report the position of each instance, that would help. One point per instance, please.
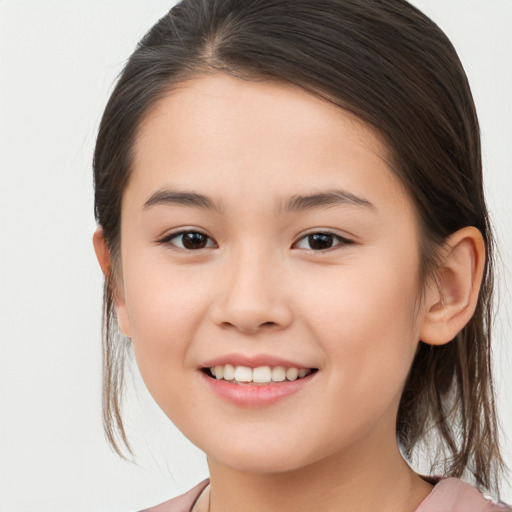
(218, 372)
(259, 375)
(262, 374)
(292, 373)
(243, 374)
(278, 373)
(229, 372)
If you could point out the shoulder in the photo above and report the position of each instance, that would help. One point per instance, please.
(183, 503)
(454, 495)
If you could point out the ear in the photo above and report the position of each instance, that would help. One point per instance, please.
(102, 252)
(105, 260)
(451, 299)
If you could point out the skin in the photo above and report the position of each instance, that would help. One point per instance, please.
(353, 311)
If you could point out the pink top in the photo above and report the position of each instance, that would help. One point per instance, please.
(448, 495)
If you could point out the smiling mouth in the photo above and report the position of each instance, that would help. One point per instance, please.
(261, 376)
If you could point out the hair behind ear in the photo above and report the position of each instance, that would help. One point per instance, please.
(115, 348)
(449, 390)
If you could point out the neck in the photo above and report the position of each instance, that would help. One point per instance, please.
(361, 481)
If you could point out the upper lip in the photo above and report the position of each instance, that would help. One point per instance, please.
(254, 361)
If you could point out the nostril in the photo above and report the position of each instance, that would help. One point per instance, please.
(247, 328)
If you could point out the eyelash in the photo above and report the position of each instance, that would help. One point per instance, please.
(341, 241)
(173, 236)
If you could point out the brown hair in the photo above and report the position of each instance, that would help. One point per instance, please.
(395, 69)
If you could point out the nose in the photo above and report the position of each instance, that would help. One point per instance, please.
(252, 296)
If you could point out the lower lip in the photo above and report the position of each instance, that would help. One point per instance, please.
(247, 395)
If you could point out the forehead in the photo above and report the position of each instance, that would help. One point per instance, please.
(218, 101)
(224, 133)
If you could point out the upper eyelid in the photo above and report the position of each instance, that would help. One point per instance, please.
(342, 242)
(334, 233)
(182, 230)
(174, 234)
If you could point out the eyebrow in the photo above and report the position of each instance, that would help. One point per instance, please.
(181, 198)
(329, 198)
(293, 204)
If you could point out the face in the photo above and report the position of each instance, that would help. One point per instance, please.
(264, 237)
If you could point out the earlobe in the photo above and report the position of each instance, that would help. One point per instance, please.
(104, 259)
(451, 299)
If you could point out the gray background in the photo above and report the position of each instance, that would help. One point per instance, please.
(58, 62)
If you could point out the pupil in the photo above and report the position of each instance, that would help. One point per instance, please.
(194, 240)
(320, 241)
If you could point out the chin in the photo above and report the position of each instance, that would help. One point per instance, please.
(261, 459)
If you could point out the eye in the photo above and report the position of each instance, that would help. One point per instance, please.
(320, 241)
(189, 240)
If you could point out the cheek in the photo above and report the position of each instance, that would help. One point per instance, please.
(365, 320)
(165, 309)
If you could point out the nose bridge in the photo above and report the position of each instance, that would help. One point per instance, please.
(254, 295)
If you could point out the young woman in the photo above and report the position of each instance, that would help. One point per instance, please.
(296, 244)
